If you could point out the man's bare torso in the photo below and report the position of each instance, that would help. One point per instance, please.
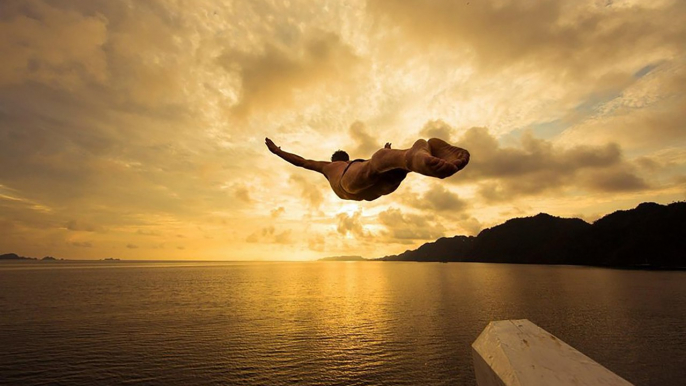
(342, 176)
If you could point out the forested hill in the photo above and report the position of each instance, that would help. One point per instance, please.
(648, 236)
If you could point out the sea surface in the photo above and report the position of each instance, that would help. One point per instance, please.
(321, 323)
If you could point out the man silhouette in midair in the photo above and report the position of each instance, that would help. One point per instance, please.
(382, 174)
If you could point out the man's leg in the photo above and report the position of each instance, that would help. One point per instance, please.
(435, 158)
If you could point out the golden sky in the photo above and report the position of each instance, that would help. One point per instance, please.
(135, 129)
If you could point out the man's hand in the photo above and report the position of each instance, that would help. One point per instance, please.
(271, 146)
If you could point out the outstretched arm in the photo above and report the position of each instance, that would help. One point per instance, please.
(317, 166)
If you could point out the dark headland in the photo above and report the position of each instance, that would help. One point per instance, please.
(650, 236)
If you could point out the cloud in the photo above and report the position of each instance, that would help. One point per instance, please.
(573, 40)
(82, 244)
(366, 145)
(270, 235)
(471, 225)
(74, 225)
(262, 234)
(283, 237)
(437, 129)
(437, 198)
(104, 111)
(312, 194)
(646, 115)
(6, 226)
(275, 213)
(351, 224)
(316, 242)
(53, 46)
(401, 227)
(614, 180)
(242, 193)
(271, 78)
(144, 232)
(537, 166)
(124, 58)
(73, 129)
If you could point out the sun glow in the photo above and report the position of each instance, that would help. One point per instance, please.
(350, 209)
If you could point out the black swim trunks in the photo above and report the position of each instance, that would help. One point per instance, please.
(346, 169)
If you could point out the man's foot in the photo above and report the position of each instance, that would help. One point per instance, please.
(451, 154)
(436, 158)
(419, 159)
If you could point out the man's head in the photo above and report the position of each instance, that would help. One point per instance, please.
(340, 155)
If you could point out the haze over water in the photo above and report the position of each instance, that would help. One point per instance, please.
(83, 323)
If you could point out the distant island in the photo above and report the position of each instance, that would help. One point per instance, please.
(14, 256)
(650, 236)
(343, 258)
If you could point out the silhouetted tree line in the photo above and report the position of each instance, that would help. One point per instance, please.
(648, 236)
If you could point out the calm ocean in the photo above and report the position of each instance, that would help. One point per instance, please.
(338, 323)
